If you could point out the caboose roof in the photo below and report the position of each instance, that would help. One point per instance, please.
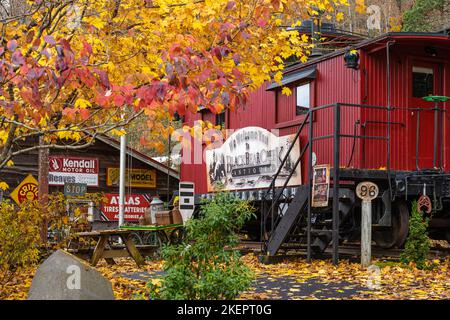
(437, 38)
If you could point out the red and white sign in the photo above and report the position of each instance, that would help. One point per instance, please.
(135, 205)
(63, 169)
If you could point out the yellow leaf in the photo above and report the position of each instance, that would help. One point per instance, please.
(118, 133)
(4, 185)
(83, 104)
(96, 22)
(286, 91)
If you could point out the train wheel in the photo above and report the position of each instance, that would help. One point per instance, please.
(394, 236)
(136, 238)
(153, 238)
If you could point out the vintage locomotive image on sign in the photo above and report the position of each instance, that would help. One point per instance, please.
(64, 169)
(249, 159)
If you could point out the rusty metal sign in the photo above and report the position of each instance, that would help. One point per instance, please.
(367, 191)
(424, 204)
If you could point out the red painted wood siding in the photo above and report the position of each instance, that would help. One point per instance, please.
(402, 141)
(336, 83)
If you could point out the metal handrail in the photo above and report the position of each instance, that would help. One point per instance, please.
(272, 186)
(277, 192)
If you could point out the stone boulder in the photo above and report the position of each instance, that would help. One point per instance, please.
(65, 277)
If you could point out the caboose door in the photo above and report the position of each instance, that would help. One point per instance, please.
(426, 80)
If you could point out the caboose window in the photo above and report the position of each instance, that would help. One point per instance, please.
(423, 82)
(220, 119)
(303, 99)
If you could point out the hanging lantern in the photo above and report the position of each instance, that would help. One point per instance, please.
(351, 59)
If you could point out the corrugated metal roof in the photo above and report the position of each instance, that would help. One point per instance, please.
(304, 74)
(419, 36)
(140, 156)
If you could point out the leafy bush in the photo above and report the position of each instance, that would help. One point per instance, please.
(63, 225)
(417, 244)
(204, 266)
(19, 238)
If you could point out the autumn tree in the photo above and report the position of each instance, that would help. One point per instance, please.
(48, 82)
(73, 69)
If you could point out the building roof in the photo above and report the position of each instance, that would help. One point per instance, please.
(140, 156)
(309, 73)
(381, 40)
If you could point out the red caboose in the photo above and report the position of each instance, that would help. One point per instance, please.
(370, 121)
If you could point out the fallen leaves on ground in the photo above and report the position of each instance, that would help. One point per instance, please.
(392, 282)
(287, 280)
(125, 287)
(17, 288)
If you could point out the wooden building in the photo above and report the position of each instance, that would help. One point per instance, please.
(98, 167)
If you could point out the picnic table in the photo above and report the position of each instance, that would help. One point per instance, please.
(104, 249)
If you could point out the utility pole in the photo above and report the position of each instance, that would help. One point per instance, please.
(43, 185)
(123, 146)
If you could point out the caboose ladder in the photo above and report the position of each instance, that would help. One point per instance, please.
(296, 209)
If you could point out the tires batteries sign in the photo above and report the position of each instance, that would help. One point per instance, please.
(64, 169)
(135, 206)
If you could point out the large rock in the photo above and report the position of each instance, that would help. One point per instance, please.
(65, 277)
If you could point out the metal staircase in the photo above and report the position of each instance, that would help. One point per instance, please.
(287, 222)
(286, 218)
(290, 222)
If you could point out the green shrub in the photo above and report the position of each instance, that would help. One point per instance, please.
(204, 266)
(417, 244)
(19, 238)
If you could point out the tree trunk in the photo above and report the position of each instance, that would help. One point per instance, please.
(43, 186)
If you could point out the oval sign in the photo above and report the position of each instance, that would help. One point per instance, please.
(367, 191)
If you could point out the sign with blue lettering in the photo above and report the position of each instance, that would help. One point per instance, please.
(75, 189)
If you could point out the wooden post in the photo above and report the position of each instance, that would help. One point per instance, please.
(366, 233)
(366, 191)
(43, 185)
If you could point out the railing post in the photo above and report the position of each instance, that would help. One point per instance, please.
(417, 139)
(435, 138)
(441, 162)
(336, 163)
(310, 177)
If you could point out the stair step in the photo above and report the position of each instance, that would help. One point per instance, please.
(321, 231)
(287, 222)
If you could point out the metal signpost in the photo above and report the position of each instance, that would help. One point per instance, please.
(186, 202)
(366, 191)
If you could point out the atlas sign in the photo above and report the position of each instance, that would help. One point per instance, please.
(135, 207)
(63, 169)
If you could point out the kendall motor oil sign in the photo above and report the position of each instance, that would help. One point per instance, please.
(66, 169)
